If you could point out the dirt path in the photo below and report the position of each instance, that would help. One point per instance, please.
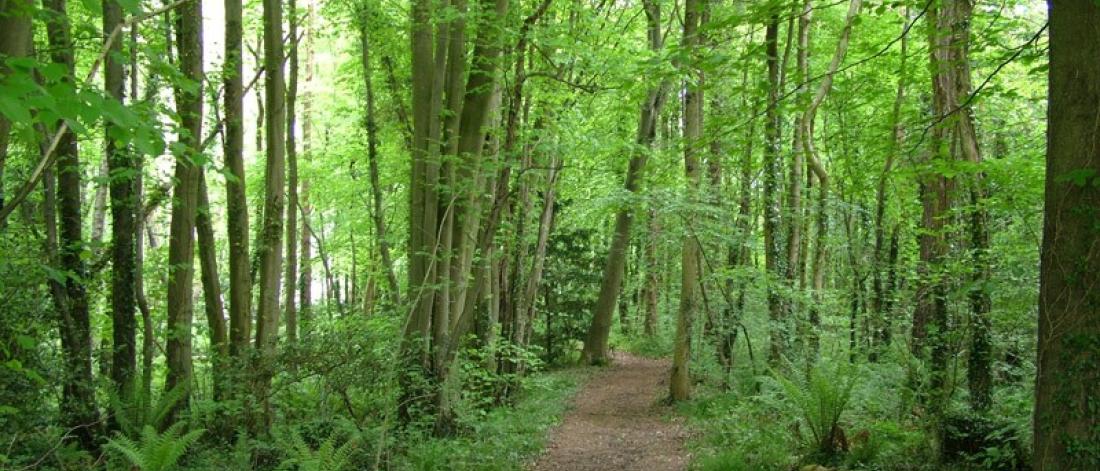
(617, 423)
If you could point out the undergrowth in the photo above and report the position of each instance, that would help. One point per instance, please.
(500, 439)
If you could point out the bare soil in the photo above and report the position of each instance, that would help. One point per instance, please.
(617, 422)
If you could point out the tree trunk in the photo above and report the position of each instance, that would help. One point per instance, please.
(99, 202)
(378, 213)
(78, 406)
(948, 38)
(211, 290)
(680, 381)
(240, 270)
(124, 234)
(1069, 304)
(181, 247)
(772, 245)
(291, 265)
(807, 124)
(595, 344)
(534, 277)
(880, 303)
(650, 291)
(271, 258)
(305, 256)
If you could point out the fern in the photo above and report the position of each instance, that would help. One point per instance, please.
(134, 415)
(821, 398)
(154, 451)
(327, 457)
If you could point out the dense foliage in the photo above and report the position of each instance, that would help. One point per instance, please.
(352, 234)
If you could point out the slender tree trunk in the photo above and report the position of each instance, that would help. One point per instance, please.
(680, 381)
(378, 214)
(526, 314)
(1067, 379)
(181, 247)
(291, 265)
(99, 202)
(880, 304)
(808, 130)
(271, 259)
(212, 290)
(305, 256)
(124, 234)
(78, 405)
(772, 134)
(595, 344)
(147, 335)
(795, 258)
(650, 291)
(240, 274)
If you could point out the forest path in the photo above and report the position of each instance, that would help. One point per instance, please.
(617, 422)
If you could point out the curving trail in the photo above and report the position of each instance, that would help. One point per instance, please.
(617, 422)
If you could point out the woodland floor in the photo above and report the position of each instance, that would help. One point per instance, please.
(617, 422)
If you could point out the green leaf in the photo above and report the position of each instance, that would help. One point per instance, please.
(25, 342)
(13, 109)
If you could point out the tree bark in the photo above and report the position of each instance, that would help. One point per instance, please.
(1069, 304)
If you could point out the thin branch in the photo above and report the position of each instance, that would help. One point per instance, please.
(48, 158)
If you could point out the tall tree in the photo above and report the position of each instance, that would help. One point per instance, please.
(124, 235)
(881, 295)
(240, 275)
(292, 177)
(378, 214)
(772, 242)
(78, 405)
(595, 342)
(807, 124)
(181, 247)
(1069, 304)
(948, 37)
(305, 255)
(271, 250)
(680, 382)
